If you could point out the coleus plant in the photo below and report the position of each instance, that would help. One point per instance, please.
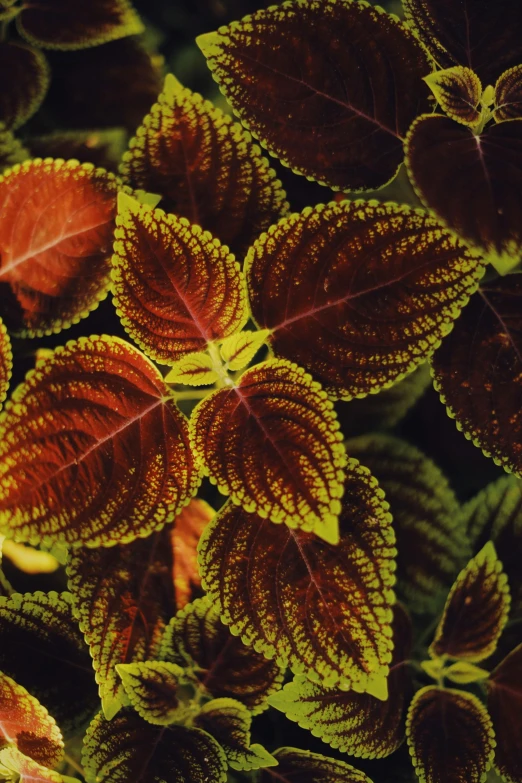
(264, 320)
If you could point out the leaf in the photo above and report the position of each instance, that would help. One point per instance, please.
(194, 369)
(323, 610)
(42, 649)
(239, 349)
(228, 721)
(56, 24)
(359, 293)
(489, 166)
(184, 535)
(464, 672)
(124, 597)
(24, 90)
(152, 687)
(11, 149)
(458, 91)
(272, 443)
(6, 362)
(306, 767)
(477, 372)
(476, 610)
(223, 666)
(26, 724)
(101, 147)
(450, 736)
(28, 770)
(293, 74)
(355, 723)
(94, 449)
(56, 222)
(116, 751)
(508, 95)
(28, 559)
(431, 534)
(175, 287)
(483, 36)
(205, 166)
(505, 708)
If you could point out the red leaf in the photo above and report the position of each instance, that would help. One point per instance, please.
(6, 362)
(26, 85)
(29, 771)
(329, 87)
(184, 536)
(505, 708)
(94, 450)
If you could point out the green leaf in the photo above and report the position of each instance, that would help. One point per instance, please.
(464, 673)
(458, 91)
(11, 149)
(152, 690)
(195, 369)
(239, 349)
(27, 770)
(305, 767)
(6, 362)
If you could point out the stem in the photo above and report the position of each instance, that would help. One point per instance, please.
(74, 764)
(217, 366)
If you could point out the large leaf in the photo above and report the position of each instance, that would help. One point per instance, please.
(152, 687)
(176, 288)
(505, 708)
(206, 168)
(359, 293)
(477, 182)
(42, 649)
(56, 24)
(450, 737)
(128, 748)
(221, 664)
(324, 610)
(184, 536)
(26, 724)
(272, 442)
(11, 149)
(306, 82)
(94, 449)
(478, 371)
(508, 95)
(124, 596)
(482, 35)
(305, 767)
(56, 224)
(476, 610)
(25, 88)
(28, 771)
(6, 362)
(431, 534)
(356, 723)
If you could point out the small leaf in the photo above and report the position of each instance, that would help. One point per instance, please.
(476, 610)
(464, 673)
(228, 721)
(94, 449)
(359, 293)
(29, 771)
(355, 723)
(458, 91)
(206, 168)
(28, 559)
(56, 223)
(24, 90)
(194, 369)
(26, 724)
(56, 24)
(272, 443)
(239, 349)
(116, 751)
(293, 74)
(488, 165)
(305, 767)
(184, 536)
(431, 534)
(478, 371)
(176, 288)
(323, 610)
(102, 147)
(6, 362)
(11, 149)
(508, 95)
(450, 737)
(505, 707)
(152, 690)
(197, 640)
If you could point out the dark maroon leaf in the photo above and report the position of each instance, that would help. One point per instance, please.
(25, 79)
(508, 95)
(505, 709)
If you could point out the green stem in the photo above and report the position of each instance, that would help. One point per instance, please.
(218, 367)
(74, 764)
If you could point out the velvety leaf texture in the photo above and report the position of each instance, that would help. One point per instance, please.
(56, 224)
(450, 737)
(431, 534)
(458, 91)
(472, 182)
(6, 362)
(206, 168)
(124, 597)
(184, 536)
(508, 95)
(359, 293)
(505, 708)
(128, 748)
(324, 610)
(24, 90)
(477, 372)
(476, 610)
(56, 24)
(94, 450)
(272, 442)
(11, 149)
(152, 690)
(305, 767)
(305, 82)
(176, 287)
(223, 666)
